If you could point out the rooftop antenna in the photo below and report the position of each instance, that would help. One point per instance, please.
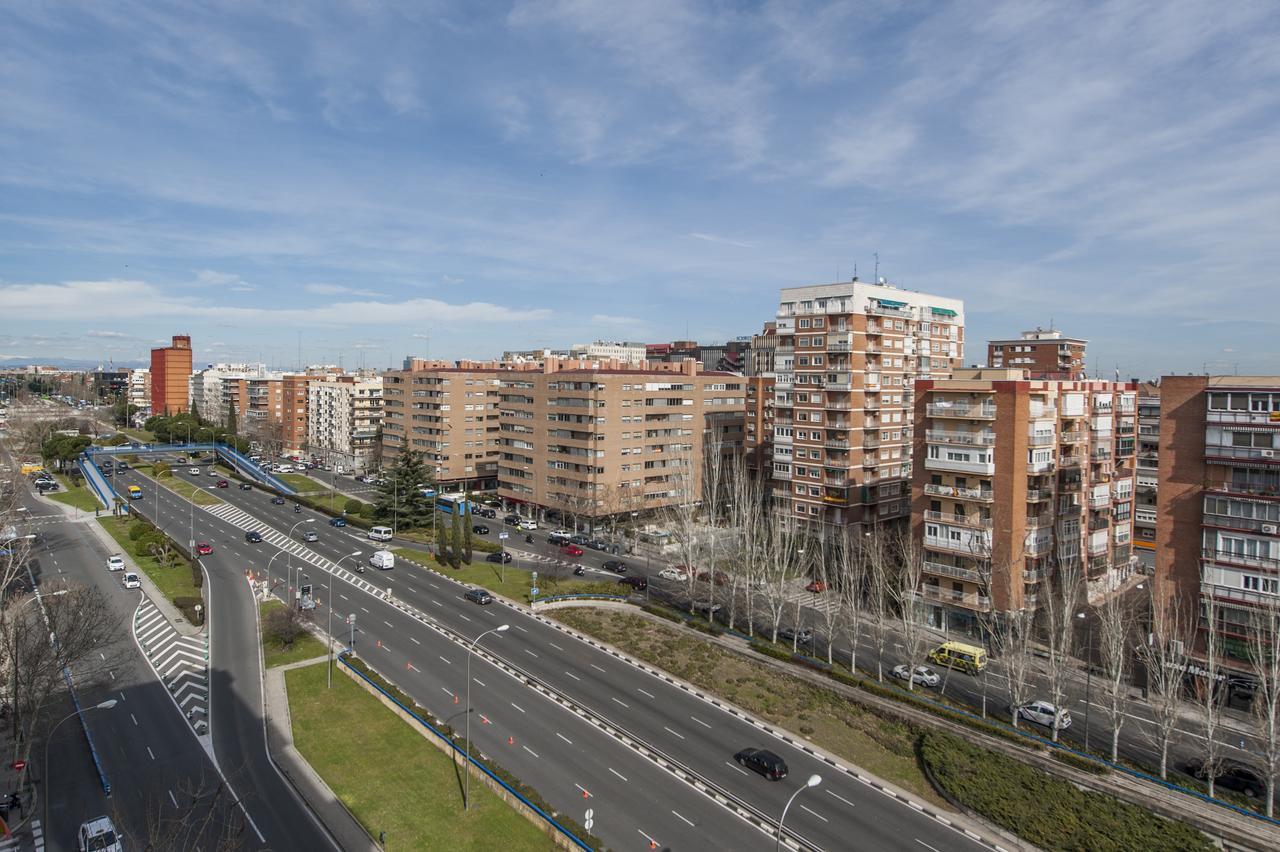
(855, 270)
(877, 275)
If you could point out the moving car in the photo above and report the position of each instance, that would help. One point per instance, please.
(499, 557)
(637, 583)
(380, 533)
(615, 566)
(222, 483)
(135, 492)
(479, 529)
(130, 580)
(958, 655)
(194, 471)
(485, 512)
(383, 560)
(253, 537)
(816, 586)
(571, 550)
(277, 500)
(1231, 776)
(310, 535)
(479, 596)
(923, 675)
(115, 562)
(512, 520)
(763, 761)
(528, 524)
(337, 522)
(1042, 713)
(559, 537)
(244, 486)
(203, 548)
(98, 835)
(802, 636)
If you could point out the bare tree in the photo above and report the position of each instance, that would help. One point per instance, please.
(827, 571)
(203, 813)
(879, 582)
(1012, 636)
(1062, 601)
(781, 558)
(1264, 659)
(1114, 633)
(852, 557)
(906, 593)
(1164, 654)
(1208, 695)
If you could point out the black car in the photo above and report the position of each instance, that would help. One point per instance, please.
(106, 471)
(803, 636)
(337, 522)
(597, 544)
(512, 520)
(615, 566)
(479, 529)
(121, 466)
(479, 596)
(1231, 776)
(486, 513)
(253, 537)
(637, 583)
(499, 557)
(279, 501)
(579, 539)
(244, 486)
(763, 761)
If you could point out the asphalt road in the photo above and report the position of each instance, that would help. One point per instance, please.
(555, 750)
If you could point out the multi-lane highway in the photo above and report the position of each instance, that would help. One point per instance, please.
(574, 757)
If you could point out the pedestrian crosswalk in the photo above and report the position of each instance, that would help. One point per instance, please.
(181, 662)
(21, 840)
(821, 601)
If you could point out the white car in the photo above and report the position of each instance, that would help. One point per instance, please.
(115, 563)
(194, 471)
(923, 675)
(98, 835)
(528, 524)
(670, 574)
(130, 580)
(1042, 713)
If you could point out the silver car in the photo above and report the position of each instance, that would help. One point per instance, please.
(1043, 713)
(922, 676)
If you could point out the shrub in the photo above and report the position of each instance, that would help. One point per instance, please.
(187, 605)
(352, 506)
(282, 625)
(137, 531)
(1076, 761)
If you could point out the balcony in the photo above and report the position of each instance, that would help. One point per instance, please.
(1249, 418)
(1144, 516)
(836, 443)
(1099, 501)
(952, 571)
(837, 499)
(1042, 521)
(871, 404)
(1037, 546)
(1073, 437)
(977, 544)
(1035, 495)
(980, 494)
(1042, 440)
(960, 409)
(886, 311)
(1037, 467)
(870, 442)
(1259, 455)
(1097, 548)
(961, 599)
(781, 474)
(1068, 462)
(976, 439)
(973, 521)
(838, 385)
(1099, 522)
(1100, 453)
(980, 468)
(1211, 555)
(1254, 489)
(1035, 575)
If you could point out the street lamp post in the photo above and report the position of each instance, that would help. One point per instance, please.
(269, 561)
(106, 705)
(466, 793)
(330, 629)
(1088, 675)
(814, 781)
(289, 562)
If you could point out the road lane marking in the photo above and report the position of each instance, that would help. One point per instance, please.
(518, 627)
(572, 675)
(364, 609)
(463, 617)
(736, 766)
(669, 731)
(918, 840)
(652, 843)
(172, 799)
(414, 641)
(554, 645)
(686, 819)
(478, 680)
(650, 694)
(384, 647)
(344, 597)
(517, 706)
(841, 798)
(388, 623)
(623, 703)
(412, 667)
(150, 752)
(530, 653)
(699, 721)
(446, 662)
(437, 603)
(619, 774)
(134, 718)
(820, 816)
(566, 739)
(446, 691)
(531, 751)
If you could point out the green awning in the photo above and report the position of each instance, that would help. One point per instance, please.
(946, 312)
(888, 303)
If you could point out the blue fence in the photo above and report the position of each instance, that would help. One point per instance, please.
(568, 835)
(88, 737)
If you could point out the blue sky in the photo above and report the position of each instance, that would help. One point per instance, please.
(383, 179)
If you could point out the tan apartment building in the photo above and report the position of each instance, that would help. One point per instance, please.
(845, 364)
(294, 397)
(1044, 353)
(1218, 528)
(600, 442)
(1013, 477)
(344, 414)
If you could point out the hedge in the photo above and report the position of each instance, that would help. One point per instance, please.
(1075, 761)
(1049, 812)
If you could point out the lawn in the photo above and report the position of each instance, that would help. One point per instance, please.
(305, 647)
(517, 581)
(303, 484)
(140, 435)
(186, 489)
(881, 746)
(79, 496)
(173, 582)
(390, 777)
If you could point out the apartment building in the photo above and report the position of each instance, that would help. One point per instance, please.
(1218, 528)
(218, 389)
(759, 356)
(603, 441)
(845, 363)
(295, 395)
(610, 350)
(1145, 503)
(139, 390)
(448, 412)
(757, 442)
(1015, 477)
(1044, 353)
(170, 374)
(343, 416)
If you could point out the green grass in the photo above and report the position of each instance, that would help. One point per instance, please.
(140, 435)
(304, 484)
(305, 647)
(182, 487)
(172, 581)
(514, 583)
(390, 777)
(79, 496)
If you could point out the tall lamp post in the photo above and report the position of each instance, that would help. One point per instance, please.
(106, 705)
(289, 562)
(466, 793)
(814, 781)
(1088, 674)
(330, 630)
(278, 554)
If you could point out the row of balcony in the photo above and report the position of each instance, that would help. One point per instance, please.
(1261, 455)
(975, 521)
(985, 495)
(961, 409)
(967, 600)
(952, 571)
(942, 436)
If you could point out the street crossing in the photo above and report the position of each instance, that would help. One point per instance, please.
(181, 662)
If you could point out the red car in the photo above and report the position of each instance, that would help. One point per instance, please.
(222, 483)
(571, 550)
(816, 586)
(720, 577)
(203, 548)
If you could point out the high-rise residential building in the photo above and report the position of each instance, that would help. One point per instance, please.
(170, 374)
(846, 360)
(1218, 528)
(759, 357)
(294, 390)
(757, 444)
(344, 414)
(1148, 482)
(1014, 478)
(215, 391)
(139, 392)
(1044, 353)
(596, 442)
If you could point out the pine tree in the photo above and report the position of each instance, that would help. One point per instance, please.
(442, 544)
(399, 495)
(231, 417)
(466, 531)
(455, 553)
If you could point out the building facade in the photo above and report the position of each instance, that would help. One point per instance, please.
(170, 375)
(845, 363)
(1044, 353)
(1145, 505)
(344, 415)
(139, 392)
(607, 350)
(1014, 478)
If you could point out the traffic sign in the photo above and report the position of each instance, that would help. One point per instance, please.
(502, 536)
(18, 765)
(533, 593)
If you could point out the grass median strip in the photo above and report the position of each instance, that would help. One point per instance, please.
(513, 582)
(174, 581)
(301, 483)
(390, 777)
(77, 495)
(187, 490)
(284, 641)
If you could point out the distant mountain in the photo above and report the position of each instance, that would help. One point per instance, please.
(70, 363)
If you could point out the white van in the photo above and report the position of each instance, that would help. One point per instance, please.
(380, 533)
(383, 560)
(284, 468)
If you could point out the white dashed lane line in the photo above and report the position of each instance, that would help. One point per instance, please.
(597, 668)
(841, 798)
(563, 737)
(736, 766)
(699, 721)
(517, 706)
(572, 675)
(677, 813)
(815, 813)
(530, 653)
(619, 774)
(650, 694)
(669, 731)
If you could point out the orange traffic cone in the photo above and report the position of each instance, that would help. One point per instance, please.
(408, 667)
(379, 643)
(586, 795)
(455, 698)
(511, 740)
(653, 844)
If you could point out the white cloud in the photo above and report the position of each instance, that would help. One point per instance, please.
(229, 280)
(108, 334)
(712, 238)
(337, 290)
(400, 90)
(609, 319)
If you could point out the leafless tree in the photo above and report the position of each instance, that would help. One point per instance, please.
(1164, 654)
(203, 813)
(1208, 695)
(1012, 636)
(827, 570)
(852, 555)
(879, 582)
(1264, 660)
(1114, 637)
(781, 559)
(1061, 603)
(908, 604)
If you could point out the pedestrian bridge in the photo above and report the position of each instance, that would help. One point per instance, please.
(109, 497)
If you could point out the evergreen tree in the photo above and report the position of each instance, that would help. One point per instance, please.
(455, 553)
(442, 544)
(400, 497)
(231, 417)
(466, 531)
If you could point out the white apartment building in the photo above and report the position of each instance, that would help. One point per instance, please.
(344, 414)
(603, 350)
(218, 386)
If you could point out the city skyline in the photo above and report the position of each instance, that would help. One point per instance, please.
(456, 182)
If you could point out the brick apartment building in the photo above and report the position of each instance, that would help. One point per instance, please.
(170, 373)
(1014, 476)
(611, 440)
(1145, 504)
(1044, 353)
(845, 363)
(1218, 529)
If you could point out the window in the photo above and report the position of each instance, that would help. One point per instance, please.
(804, 323)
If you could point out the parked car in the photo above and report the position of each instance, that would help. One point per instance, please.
(479, 529)
(922, 676)
(486, 512)
(1232, 776)
(499, 557)
(1043, 713)
(115, 562)
(707, 576)
(253, 537)
(597, 544)
(337, 522)
(222, 483)
(579, 538)
(616, 566)
(704, 608)
(816, 586)
(670, 574)
(244, 486)
(310, 535)
(528, 524)
(801, 636)
(571, 550)
(512, 520)
(204, 548)
(763, 761)
(479, 596)
(559, 537)
(277, 500)
(637, 583)
(130, 581)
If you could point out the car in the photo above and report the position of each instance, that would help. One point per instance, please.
(106, 471)
(253, 537)
(204, 548)
(670, 574)
(558, 537)
(499, 557)
(597, 544)
(479, 529)
(115, 562)
(707, 576)
(816, 586)
(512, 520)
(194, 471)
(1230, 775)
(763, 761)
(121, 466)
(1043, 713)
(637, 583)
(922, 676)
(337, 522)
(579, 538)
(528, 524)
(310, 535)
(244, 486)
(705, 608)
(479, 596)
(571, 550)
(98, 835)
(222, 483)
(486, 513)
(277, 500)
(801, 636)
(130, 581)
(616, 566)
